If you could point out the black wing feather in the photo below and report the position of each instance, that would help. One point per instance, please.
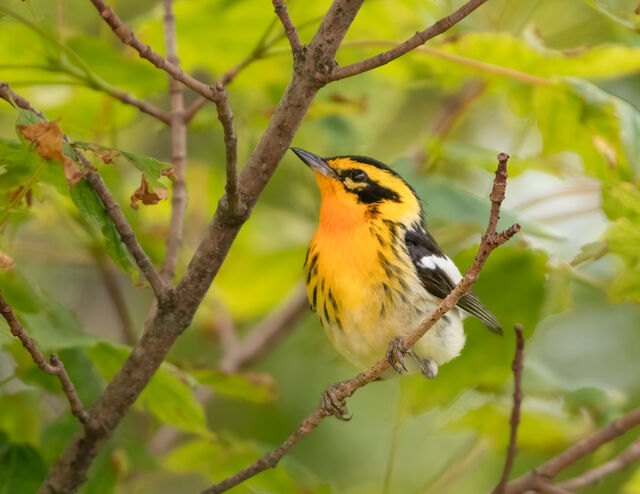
(438, 283)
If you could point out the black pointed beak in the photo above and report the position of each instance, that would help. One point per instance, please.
(315, 162)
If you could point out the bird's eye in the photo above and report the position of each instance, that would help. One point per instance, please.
(358, 176)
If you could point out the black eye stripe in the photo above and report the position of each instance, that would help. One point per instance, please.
(369, 192)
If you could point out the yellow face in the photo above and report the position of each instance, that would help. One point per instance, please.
(357, 189)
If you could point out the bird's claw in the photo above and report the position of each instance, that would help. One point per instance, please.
(332, 404)
(395, 355)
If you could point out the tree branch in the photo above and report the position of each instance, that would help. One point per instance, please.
(125, 231)
(112, 208)
(178, 125)
(340, 391)
(416, 40)
(225, 115)
(127, 37)
(623, 460)
(512, 449)
(575, 452)
(216, 93)
(55, 367)
(289, 29)
(129, 99)
(176, 311)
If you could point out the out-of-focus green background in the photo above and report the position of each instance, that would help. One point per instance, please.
(553, 83)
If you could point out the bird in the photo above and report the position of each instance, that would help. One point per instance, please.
(374, 273)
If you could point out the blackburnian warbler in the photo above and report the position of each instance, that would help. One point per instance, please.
(374, 273)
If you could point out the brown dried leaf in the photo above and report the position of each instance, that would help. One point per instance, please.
(72, 171)
(47, 138)
(6, 262)
(147, 195)
(107, 156)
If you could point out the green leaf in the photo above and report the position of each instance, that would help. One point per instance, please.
(621, 200)
(26, 117)
(578, 348)
(22, 469)
(258, 388)
(624, 124)
(167, 396)
(624, 237)
(51, 324)
(93, 211)
(608, 8)
(150, 167)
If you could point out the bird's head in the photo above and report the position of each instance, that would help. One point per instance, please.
(357, 188)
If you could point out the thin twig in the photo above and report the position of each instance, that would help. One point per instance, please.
(416, 40)
(55, 367)
(621, 461)
(179, 197)
(266, 334)
(340, 391)
(514, 422)
(129, 99)
(127, 235)
(127, 37)
(575, 452)
(289, 29)
(225, 115)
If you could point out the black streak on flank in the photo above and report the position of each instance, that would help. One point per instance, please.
(314, 261)
(313, 298)
(388, 269)
(326, 313)
(333, 302)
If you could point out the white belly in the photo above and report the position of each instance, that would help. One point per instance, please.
(365, 334)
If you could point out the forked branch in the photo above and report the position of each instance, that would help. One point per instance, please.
(568, 457)
(339, 392)
(55, 367)
(145, 51)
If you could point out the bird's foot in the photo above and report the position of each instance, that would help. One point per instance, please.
(395, 355)
(332, 404)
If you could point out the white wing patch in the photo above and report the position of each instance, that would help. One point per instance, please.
(445, 264)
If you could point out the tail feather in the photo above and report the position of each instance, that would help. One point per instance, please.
(471, 304)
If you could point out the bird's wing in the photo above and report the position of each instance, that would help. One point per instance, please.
(439, 276)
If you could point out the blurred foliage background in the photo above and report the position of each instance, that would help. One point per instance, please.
(554, 84)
